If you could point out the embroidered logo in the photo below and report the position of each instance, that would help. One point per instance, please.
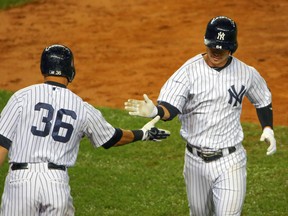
(237, 96)
(221, 36)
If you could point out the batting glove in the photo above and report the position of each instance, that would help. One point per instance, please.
(150, 132)
(157, 134)
(268, 137)
(143, 108)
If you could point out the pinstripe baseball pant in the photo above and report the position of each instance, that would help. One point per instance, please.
(37, 190)
(217, 187)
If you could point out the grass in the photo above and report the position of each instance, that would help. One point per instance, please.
(145, 179)
(4, 4)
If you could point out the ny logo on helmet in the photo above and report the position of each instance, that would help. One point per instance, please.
(221, 36)
(237, 96)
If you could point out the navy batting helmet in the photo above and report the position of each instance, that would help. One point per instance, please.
(57, 60)
(221, 33)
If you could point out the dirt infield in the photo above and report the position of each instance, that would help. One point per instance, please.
(126, 48)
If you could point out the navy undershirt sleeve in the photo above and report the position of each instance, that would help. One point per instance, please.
(5, 142)
(115, 138)
(173, 111)
(265, 116)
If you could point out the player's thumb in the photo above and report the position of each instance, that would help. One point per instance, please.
(155, 120)
(146, 98)
(151, 123)
(263, 137)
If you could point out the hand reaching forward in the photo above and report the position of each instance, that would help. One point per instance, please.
(268, 137)
(150, 132)
(143, 108)
(157, 134)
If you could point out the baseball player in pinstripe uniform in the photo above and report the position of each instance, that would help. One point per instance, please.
(206, 93)
(42, 126)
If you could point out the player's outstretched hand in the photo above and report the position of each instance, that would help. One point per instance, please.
(268, 137)
(157, 134)
(143, 108)
(150, 132)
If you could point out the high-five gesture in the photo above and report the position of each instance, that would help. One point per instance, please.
(150, 132)
(144, 108)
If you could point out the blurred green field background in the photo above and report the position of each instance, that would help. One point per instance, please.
(12, 3)
(145, 179)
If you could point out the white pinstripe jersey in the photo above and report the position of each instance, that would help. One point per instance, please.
(210, 102)
(46, 123)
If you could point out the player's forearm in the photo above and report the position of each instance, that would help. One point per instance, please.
(265, 116)
(3, 154)
(122, 137)
(147, 132)
(166, 111)
(129, 136)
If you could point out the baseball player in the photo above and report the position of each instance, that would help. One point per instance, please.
(207, 93)
(42, 126)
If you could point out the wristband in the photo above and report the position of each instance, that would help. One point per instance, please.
(138, 135)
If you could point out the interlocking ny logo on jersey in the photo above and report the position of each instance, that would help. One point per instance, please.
(221, 36)
(237, 96)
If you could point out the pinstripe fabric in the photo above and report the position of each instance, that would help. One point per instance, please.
(210, 103)
(202, 96)
(45, 124)
(216, 188)
(37, 191)
(19, 117)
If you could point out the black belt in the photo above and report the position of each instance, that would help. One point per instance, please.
(208, 156)
(20, 166)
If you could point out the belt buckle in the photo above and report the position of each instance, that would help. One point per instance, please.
(209, 156)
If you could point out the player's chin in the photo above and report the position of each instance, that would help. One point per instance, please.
(216, 62)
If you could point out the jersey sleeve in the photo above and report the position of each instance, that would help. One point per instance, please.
(10, 117)
(98, 130)
(259, 94)
(175, 90)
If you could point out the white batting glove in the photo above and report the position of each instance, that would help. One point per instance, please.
(143, 108)
(150, 132)
(268, 137)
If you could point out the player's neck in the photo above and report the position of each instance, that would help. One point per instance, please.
(57, 79)
(226, 64)
(217, 67)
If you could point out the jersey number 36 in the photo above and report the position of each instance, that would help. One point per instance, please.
(58, 123)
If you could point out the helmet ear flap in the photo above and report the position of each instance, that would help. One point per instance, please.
(58, 60)
(221, 33)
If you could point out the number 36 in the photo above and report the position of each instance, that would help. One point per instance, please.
(58, 123)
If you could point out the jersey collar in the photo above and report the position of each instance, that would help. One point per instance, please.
(227, 63)
(55, 84)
